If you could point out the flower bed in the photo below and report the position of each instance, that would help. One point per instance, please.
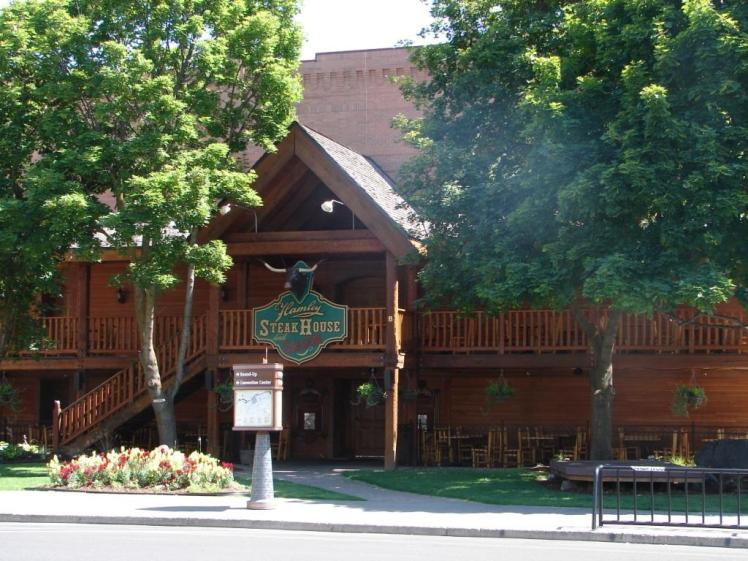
(160, 469)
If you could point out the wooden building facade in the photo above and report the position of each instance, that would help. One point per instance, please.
(433, 364)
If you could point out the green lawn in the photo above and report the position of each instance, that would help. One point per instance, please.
(20, 476)
(529, 488)
(289, 490)
(14, 477)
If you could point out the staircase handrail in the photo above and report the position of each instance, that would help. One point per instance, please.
(124, 386)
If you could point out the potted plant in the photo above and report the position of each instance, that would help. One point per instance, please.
(687, 398)
(371, 392)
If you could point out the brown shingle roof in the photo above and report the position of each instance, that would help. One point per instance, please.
(373, 181)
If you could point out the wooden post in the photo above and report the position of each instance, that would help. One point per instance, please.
(212, 325)
(241, 286)
(212, 428)
(391, 364)
(55, 425)
(81, 311)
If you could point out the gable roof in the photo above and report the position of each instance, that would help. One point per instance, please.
(354, 179)
(372, 180)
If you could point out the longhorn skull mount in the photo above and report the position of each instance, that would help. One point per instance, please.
(298, 277)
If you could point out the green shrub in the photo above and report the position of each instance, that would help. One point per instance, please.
(25, 451)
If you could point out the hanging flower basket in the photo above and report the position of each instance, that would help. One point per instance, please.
(371, 393)
(225, 392)
(498, 391)
(687, 398)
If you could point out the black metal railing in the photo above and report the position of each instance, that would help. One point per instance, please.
(669, 496)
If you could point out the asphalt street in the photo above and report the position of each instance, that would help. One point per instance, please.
(79, 542)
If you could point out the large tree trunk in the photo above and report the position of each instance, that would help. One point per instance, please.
(163, 403)
(602, 337)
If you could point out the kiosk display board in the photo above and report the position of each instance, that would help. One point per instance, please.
(258, 391)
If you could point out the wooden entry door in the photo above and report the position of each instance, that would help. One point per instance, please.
(368, 430)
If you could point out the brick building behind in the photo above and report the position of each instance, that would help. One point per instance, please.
(350, 97)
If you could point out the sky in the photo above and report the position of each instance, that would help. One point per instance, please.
(343, 25)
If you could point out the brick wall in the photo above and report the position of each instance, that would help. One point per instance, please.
(349, 96)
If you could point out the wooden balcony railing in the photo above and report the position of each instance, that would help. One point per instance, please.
(517, 331)
(542, 331)
(119, 335)
(61, 335)
(366, 330)
(123, 387)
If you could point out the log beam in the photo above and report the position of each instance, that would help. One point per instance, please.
(391, 354)
(342, 242)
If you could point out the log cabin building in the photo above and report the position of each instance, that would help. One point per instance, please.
(434, 364)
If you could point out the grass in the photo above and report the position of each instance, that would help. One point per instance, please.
(290, 490)
(14, 477)
(531, 488)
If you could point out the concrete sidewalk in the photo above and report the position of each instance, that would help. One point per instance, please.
(383, 511)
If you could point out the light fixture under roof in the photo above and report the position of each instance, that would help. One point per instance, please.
(328, 206)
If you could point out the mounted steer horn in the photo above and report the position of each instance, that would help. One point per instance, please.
(272, 269)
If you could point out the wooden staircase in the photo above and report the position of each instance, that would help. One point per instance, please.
(107, 406)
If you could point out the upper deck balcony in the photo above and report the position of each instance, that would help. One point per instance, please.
(519, 331)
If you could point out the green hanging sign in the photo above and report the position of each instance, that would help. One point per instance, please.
(300, 322)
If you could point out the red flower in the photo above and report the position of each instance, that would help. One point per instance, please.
(227, 465)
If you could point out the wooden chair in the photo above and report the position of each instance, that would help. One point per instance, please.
(464, 453)
(511, 456)
(684, 446)
(279, 449)
(627, 451)
(528, 448)
(546, 445)
(581, 444)
(426, 448)
(495, 447)
(443, 445)
(668, 451)
(481, 457)
(489, 455)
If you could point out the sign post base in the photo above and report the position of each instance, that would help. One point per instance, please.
(263, 495)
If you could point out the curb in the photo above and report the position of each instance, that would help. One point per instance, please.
(733, 541)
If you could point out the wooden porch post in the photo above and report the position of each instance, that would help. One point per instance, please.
(391, 364)
(241, 286)
(410, 408)
(212, 346)
(212, 325)
(212, 428)
(81, 311)
(55, 425)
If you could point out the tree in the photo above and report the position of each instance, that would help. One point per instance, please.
(157, 95)
(41, 214)
(583, 154)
